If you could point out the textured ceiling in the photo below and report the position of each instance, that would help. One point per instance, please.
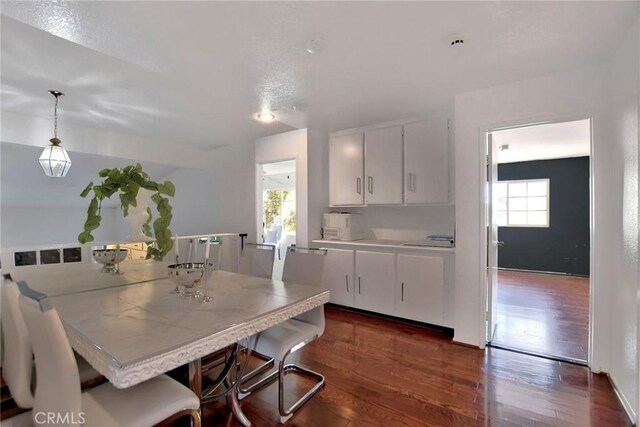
(197, 72)
(547, 141)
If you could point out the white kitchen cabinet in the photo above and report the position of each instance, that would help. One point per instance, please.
(426, 162)
(346, 166)
(420, 288)
(383, 166)
(338, 275)
(375, 281)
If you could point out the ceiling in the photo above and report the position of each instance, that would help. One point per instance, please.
(545, 141)
(197, 72)
(24, 184)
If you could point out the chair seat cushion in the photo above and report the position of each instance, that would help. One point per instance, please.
(277, 340)
(145, 404)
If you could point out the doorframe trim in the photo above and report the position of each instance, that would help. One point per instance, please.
(521, 123)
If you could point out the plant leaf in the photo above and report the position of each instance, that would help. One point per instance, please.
(86, 190)
(167, 188)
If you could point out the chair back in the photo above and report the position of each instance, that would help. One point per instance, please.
(58, 388)
(193, 249)
(17, 363)
(305, 266)
(257, 260)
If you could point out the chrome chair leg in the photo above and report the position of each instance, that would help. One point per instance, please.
(287, 413)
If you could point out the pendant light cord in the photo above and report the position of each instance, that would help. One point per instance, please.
(55, 120)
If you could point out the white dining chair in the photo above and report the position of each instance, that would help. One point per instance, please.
(302, 266)
(160, 399)
(17, 364)
(257, 260)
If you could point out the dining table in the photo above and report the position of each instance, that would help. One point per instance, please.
(131, 327)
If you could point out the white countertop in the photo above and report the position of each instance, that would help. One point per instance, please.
(391, 244)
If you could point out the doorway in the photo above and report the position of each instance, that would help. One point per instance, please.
(277, 219)
(539, 239)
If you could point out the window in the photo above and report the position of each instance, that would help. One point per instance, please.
(522, 203)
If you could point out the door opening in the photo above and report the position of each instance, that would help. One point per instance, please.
(277, 216)
(538, 212)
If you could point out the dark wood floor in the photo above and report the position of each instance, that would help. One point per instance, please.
(382, 373)
(543, 313)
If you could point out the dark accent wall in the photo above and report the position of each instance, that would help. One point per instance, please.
(564, 246)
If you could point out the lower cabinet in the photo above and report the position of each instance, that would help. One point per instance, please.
(400, 285)
(375, 276)
(338, 276)
(420, 288)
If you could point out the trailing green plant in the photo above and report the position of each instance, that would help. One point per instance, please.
(127, 182)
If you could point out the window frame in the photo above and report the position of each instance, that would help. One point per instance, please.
(525, 181)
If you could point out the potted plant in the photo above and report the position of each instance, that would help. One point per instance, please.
(130, 184)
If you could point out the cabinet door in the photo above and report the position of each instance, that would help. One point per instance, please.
(426, 162)
(420, 288)
(375, 279)
(346, 164)
(383, 166)
(338, 276)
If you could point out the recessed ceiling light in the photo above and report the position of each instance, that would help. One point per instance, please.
(266, 117)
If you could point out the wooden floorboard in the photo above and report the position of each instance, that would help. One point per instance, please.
(543, 314)
(382, 373)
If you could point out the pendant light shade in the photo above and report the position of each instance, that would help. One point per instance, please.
(54, 159)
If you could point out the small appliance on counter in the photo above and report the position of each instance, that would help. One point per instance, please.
(341, 226)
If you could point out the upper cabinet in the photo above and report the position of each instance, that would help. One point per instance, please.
(404, 163)
(346, 164)
(426, 162)
(383, 166)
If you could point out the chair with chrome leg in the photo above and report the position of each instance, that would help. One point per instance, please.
(58, 390)
(302, 266)
(257, 260)
(17, 365)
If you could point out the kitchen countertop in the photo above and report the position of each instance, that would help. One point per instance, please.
(391, 244)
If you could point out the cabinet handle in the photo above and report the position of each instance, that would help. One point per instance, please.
(370, 184)
(402, 292)
(346, 279)
(358, 284)
(358, 185)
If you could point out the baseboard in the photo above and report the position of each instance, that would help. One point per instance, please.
(464, 344)
(436, 328)
(628, 408)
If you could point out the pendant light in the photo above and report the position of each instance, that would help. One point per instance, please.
(54, 159)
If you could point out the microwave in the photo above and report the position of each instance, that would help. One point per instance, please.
(341, 226)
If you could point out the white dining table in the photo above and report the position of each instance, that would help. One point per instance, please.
(131, 329)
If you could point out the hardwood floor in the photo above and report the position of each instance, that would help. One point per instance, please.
(543, 314)
(382, 373)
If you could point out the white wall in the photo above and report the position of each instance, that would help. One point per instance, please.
(285, 146)
(625, 286)
(219, 199)
(36, 131)
(575, 94)
(37, 226)
(405, 222)
(582, 93)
